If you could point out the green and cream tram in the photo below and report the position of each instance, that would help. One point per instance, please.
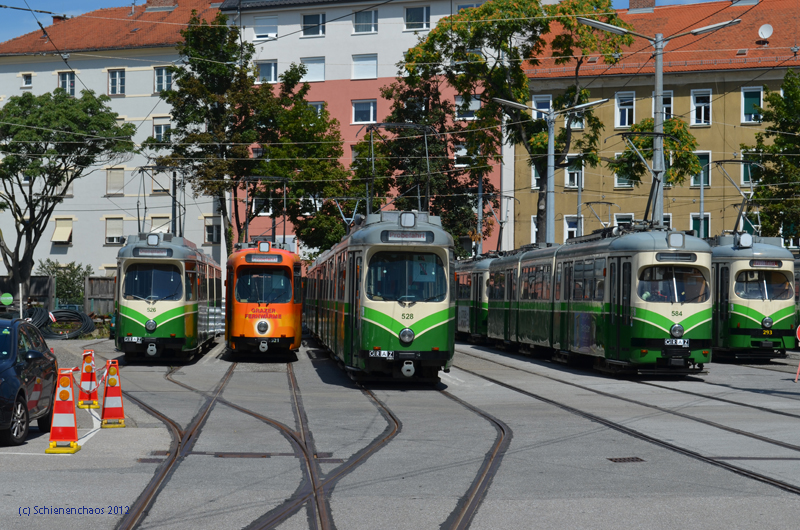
(472, 301)
(382, 301)
(633, 300)
(754, 300)
(167, 296)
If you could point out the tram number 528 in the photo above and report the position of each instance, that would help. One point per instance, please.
(407, 316)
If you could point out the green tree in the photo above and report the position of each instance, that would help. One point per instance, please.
(49, 142)
(221, 113)
(483, 53)
(70, 279)
(777, 149)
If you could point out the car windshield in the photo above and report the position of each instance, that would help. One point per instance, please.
(264, 285)
(150, 281)
(763, 285)
(673, 284)
(406, 277)
(5, 343)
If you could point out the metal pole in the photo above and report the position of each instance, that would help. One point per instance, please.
(658, 128)
(480, 215)
(284, 213)
(174, 200)
(246, 213)
(579, 231)
(372, 158)
(550, 206)
(702, 197)
(428, 163)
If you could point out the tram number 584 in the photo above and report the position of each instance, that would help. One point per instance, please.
(407, 316)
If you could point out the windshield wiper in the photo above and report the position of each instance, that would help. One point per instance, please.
(435, 296)
(135, 296)
(176, 291)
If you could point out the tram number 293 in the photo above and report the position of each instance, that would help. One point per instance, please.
(765, 332)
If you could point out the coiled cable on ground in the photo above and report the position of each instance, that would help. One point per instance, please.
(62, 315)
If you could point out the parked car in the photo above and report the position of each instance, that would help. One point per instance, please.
(28, 372)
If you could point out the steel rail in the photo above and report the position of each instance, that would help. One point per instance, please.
(622, 428)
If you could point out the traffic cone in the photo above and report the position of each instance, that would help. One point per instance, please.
(64, 428)
(113, 413)
(37, 392)
(87, 395)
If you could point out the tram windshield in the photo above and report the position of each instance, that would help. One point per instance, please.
(152, 282)
(763, 285)
(406, 277)
(264, 285)
(673, 284)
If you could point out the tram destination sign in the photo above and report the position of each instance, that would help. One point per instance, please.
(406, 236)
(263, 258)
(152, 252)
(765, 263)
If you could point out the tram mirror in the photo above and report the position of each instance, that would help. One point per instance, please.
(263, 246)
(152, 240)
(675, 240)
(407, 219)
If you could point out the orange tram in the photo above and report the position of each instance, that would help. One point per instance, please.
(263, 299)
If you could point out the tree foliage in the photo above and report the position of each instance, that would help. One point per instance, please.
(777, 149)
(70, 279)
(221, 113)
(484, 53)
(49, 142)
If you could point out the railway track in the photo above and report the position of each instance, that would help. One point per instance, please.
(639, 435)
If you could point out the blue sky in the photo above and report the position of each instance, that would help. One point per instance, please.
(16, 23)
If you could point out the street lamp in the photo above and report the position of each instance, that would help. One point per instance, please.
(550, 228)
(658, 43)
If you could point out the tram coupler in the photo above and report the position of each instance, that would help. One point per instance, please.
(408, 368)
(263, 346)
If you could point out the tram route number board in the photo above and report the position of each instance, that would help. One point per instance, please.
(384, 354)
(677, 342)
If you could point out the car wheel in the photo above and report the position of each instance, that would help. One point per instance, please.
(18, 431)
(44, 422)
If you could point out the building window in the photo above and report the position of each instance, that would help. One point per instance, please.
(116, 82)
(66, 190)
(314, 25)
(257, 152)
(574, 173)
(467, 113)
(161, 128)
(160, 182)
(365, 66)
(213, 232)
(705, 161)
(315, 68)
(701, 107)
(624, 116)
(418, 17)
(461, 157)
(268, 71)
(365, 111)
(261, 206)
(751, 100)
(747, 169)
(542, 105)
(621, 182)
(27, 80)
(266, 28)
(115, 181)
(114, 230)
(706, 223)
(536, 179)
(160, 223)
(318, 106)
(534, 230)
(571, 226)
(666, 104)
(623, 219)
(462, 7)
(62, 235)
(66, 81)
(365, 22)
(163, 79)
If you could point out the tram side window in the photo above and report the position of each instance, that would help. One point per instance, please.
(577, 294)
(600, 280)
(298, 287)
(626, 293)
(588, 281)
(797, 286)
(191, 286)
(558, 282)
(546, 288)
(150, 281)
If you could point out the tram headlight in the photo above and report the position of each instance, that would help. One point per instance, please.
(262, 326)
(767, 322)
(150, 325)
(406, 336)
(676, 331)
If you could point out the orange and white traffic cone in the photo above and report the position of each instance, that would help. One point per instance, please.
(33, 400)
(87, 396)
(113, 412)
(64, 428)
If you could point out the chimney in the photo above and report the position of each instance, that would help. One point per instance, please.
(162, 3)
(641, 6)
(58, 19)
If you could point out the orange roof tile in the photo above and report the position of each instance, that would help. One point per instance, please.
(712, 51)
(112, 29)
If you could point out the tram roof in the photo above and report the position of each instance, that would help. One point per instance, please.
(478, 263)
(763, 248)
(636, 241)
(182, 248)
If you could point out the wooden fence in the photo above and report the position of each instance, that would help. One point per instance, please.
(42, 292)
(98, 297)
